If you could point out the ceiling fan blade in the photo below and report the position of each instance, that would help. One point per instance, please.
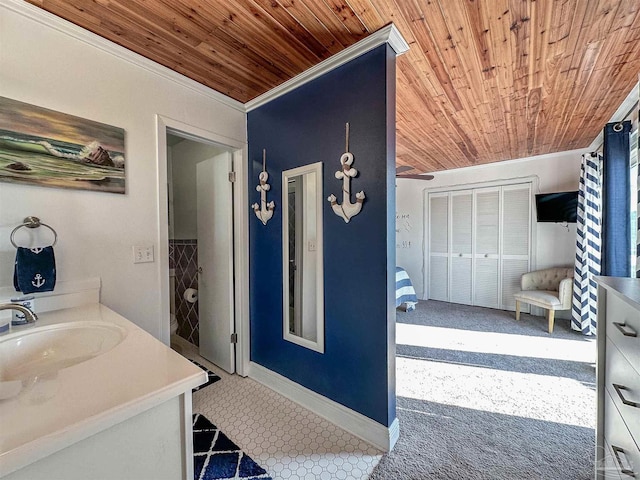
(417, 177)
(403, 168)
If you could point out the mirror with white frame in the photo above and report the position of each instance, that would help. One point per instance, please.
(302, 257)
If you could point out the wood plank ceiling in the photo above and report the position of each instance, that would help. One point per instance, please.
(484, 80)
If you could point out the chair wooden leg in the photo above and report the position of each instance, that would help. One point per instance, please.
(517, 309)
(551, 315)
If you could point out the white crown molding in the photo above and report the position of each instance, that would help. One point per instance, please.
(501, 163)
(48, 19)
(395, 39)
(353, 422)
(389, 34)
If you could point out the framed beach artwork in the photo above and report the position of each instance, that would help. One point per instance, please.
(52, 149)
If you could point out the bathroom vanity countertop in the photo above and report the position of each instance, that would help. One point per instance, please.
(63, 407)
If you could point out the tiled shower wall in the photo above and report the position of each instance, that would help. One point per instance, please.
(183, 257)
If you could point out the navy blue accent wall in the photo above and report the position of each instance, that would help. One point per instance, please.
(305, 126)
(616, 202)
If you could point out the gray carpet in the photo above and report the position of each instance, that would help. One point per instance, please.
(517, 409)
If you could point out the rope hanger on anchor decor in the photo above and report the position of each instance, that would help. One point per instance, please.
(264, 211)
(347, 210)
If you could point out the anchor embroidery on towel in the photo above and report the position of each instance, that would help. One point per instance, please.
(38, 281)
(36, 250)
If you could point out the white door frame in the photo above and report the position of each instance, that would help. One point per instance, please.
(240, 229)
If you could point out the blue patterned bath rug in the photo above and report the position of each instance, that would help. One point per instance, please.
(215, 457)
(213, 378)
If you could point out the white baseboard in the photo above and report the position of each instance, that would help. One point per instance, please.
(353, 422)
(394, 433)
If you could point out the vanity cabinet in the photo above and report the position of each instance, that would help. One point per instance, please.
(148, 445)
(124, 413)
(618, 379)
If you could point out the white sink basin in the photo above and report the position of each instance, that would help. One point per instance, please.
(45, 350)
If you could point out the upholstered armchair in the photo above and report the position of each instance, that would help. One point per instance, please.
(549, 288)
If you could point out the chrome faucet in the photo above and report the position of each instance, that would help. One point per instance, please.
(29, 316)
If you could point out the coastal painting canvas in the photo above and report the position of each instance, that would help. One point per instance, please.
(52, 149)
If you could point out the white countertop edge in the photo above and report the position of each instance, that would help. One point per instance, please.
(626, 288)
(44, 446)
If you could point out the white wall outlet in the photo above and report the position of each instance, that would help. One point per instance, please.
(312, 246)
(143, 254)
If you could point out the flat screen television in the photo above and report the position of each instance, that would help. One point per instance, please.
(557, 207)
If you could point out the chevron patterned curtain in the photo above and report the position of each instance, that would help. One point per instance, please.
(588, 243)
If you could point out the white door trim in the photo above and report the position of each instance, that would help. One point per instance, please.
(240, 227)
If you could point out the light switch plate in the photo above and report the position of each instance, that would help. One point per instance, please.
(143, 254)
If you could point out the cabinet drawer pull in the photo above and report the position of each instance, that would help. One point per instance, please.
(616, 453)
(629, 332)
(619, 389)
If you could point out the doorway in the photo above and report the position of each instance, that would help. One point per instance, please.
(199, 248)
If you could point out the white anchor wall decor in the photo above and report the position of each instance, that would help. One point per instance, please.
(347, 210)
(264, 211)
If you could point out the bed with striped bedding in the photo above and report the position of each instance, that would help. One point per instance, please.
(405, 293)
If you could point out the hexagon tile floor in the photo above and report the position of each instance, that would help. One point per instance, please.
(284, 438)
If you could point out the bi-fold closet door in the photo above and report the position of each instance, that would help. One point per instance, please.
(479, 244)
(516, 240)
(461, 252)
(487, 247)
(439, 246)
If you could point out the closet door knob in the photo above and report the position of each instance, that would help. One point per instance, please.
(486, 255)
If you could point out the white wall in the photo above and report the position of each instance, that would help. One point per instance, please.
(555, 244)
(185, 155)
(44, 66)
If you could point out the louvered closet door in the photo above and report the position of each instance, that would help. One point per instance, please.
(460, 287)
(516, 238)
(439, 246)
(487, 247)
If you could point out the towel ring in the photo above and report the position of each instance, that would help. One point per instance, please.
(33, 222)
